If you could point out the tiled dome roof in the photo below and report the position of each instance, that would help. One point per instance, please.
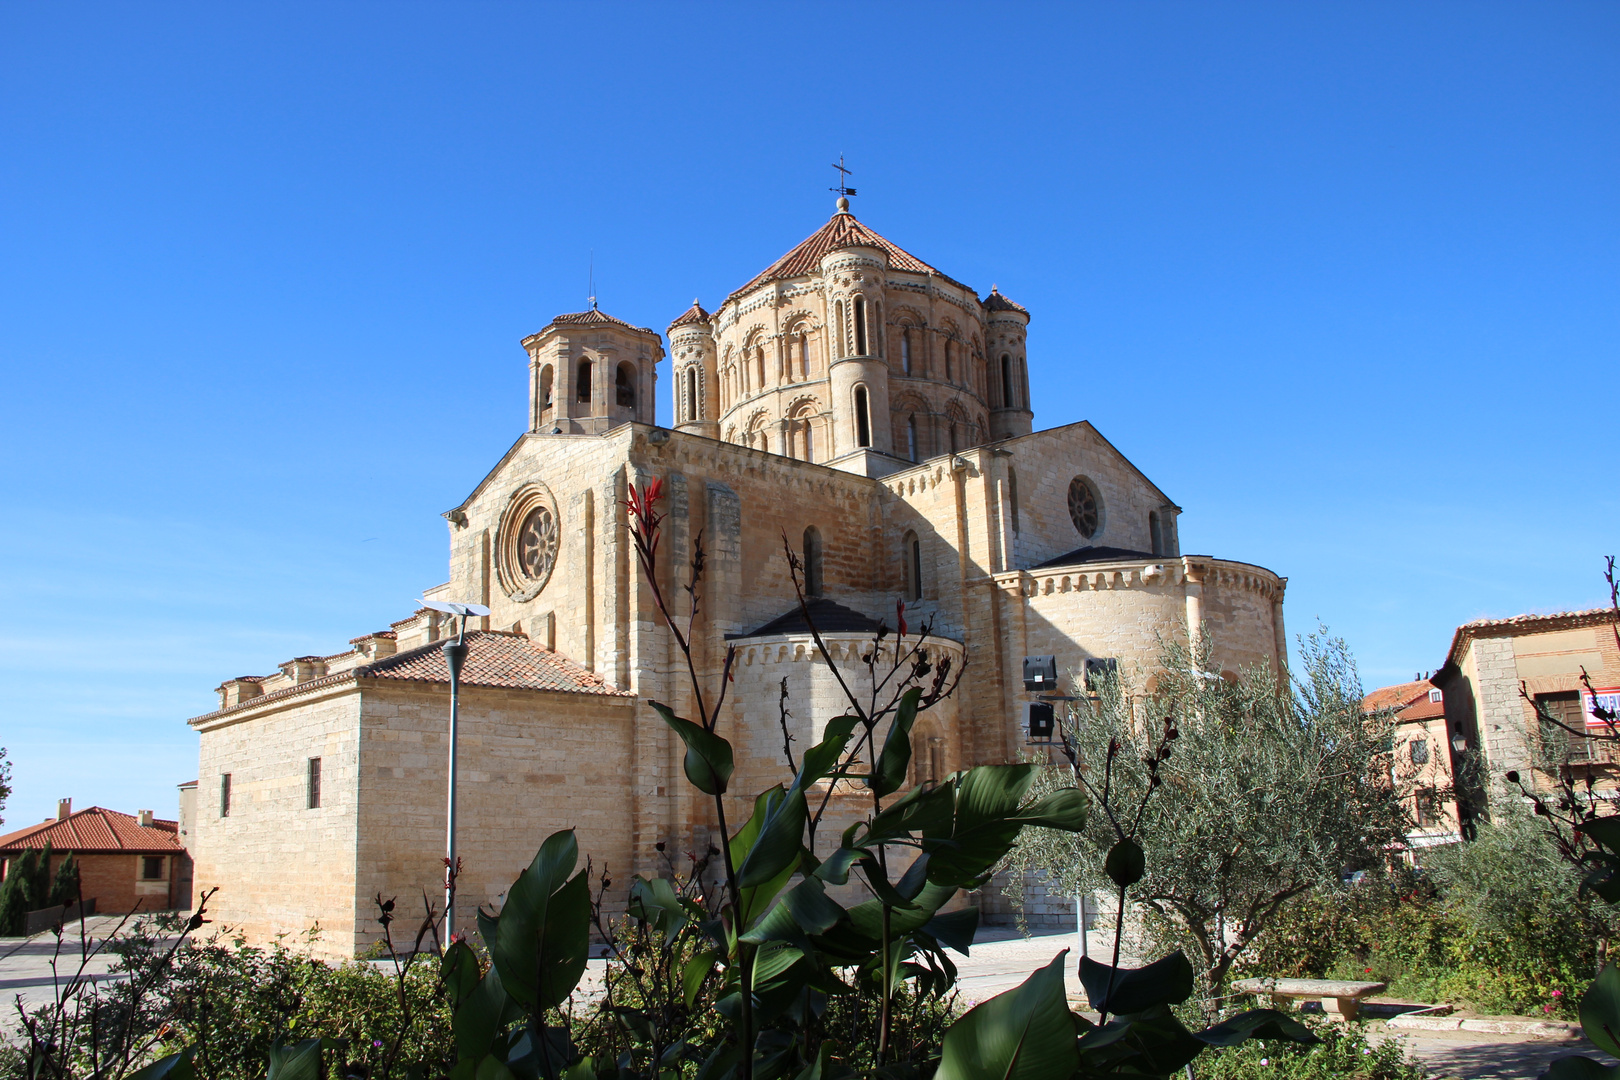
(842, 231)
(693, 314)
(996, 302)
(594, 317)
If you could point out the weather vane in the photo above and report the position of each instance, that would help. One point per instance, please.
(844, 174)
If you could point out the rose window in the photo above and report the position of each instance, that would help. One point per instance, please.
(537, 544)
(1083, 507)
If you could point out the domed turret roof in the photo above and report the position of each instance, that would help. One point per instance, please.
(693, 314)
(996, 302)
(842, 231)
(594, 317)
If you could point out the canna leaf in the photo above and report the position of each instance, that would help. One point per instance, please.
(708, 760)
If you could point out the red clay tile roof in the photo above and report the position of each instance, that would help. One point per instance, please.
(494, 658)
(98, 830)
(1530, 623)
(693, 314)
(1422, 709)
(1398, 696)
(842, 231)
(594, 317)
(996, 302)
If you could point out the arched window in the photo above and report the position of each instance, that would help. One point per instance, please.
(809, 440)
(1155, 532)
(905, 349)
(1012, 495)
(911, 437)
(1006, 382)
(863, 422)
(860, 326)
(693, 409)
(759, 360)
(911, 553)
(838, 329)
(812, 561)
(624, 386)
(804, 355)
(582, 382)
(948, 366)
(545, 387)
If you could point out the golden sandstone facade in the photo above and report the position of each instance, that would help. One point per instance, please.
(852, 400)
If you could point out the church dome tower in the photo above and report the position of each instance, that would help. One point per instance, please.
(697, 394)
(850, 351)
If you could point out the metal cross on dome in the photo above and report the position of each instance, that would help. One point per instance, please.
(844, 174)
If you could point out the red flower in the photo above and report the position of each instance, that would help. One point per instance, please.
(900, 614)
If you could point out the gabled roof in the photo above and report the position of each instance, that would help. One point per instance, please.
(693, 314)
(1396, 697)
(494, 658)
(594, 317)
(830, 618)
(842, 231)
(97, 830)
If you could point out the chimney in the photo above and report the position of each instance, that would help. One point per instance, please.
(64, 807)
(144, 817)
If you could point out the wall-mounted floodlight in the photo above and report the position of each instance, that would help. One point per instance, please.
(455, 654)
(1040, 673)
(1042, 721)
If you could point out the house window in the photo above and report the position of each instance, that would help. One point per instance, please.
(911, 550)
(863, 423)
(860, 326)
(225, 795)
(812, 561)
(1426, 808)
(313, 783)
(1420, 751)
(151, 867)
(582, 382)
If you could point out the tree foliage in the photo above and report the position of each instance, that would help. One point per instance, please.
(1274, 787)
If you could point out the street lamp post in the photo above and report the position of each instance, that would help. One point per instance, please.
(455, 654)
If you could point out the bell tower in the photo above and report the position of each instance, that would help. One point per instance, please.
(589, 372)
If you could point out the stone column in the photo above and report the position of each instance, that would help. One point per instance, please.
(1195, 602)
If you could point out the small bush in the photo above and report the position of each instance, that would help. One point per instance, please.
(1345, 1053)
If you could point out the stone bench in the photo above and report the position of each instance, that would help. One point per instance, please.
(1339, 998)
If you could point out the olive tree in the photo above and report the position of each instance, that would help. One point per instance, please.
(1263, 788)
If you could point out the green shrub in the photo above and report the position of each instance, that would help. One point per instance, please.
(1345, 1053)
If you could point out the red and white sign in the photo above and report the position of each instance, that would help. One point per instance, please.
(1608, 699)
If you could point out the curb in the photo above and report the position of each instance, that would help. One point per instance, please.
(1554, 1029)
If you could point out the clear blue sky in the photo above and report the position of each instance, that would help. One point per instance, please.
(1342, 278)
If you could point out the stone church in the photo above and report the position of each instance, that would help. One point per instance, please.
(851, 400)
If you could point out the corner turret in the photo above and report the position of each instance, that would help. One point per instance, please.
(697, 379)
(1006, 326)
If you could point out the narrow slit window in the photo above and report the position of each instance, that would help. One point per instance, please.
(905, 350)
(912, 552)
(812, 561)
(313, 784)
(860, 326)
(863, 423)
(1012, 497)
(225, 795)
(1006, 382)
